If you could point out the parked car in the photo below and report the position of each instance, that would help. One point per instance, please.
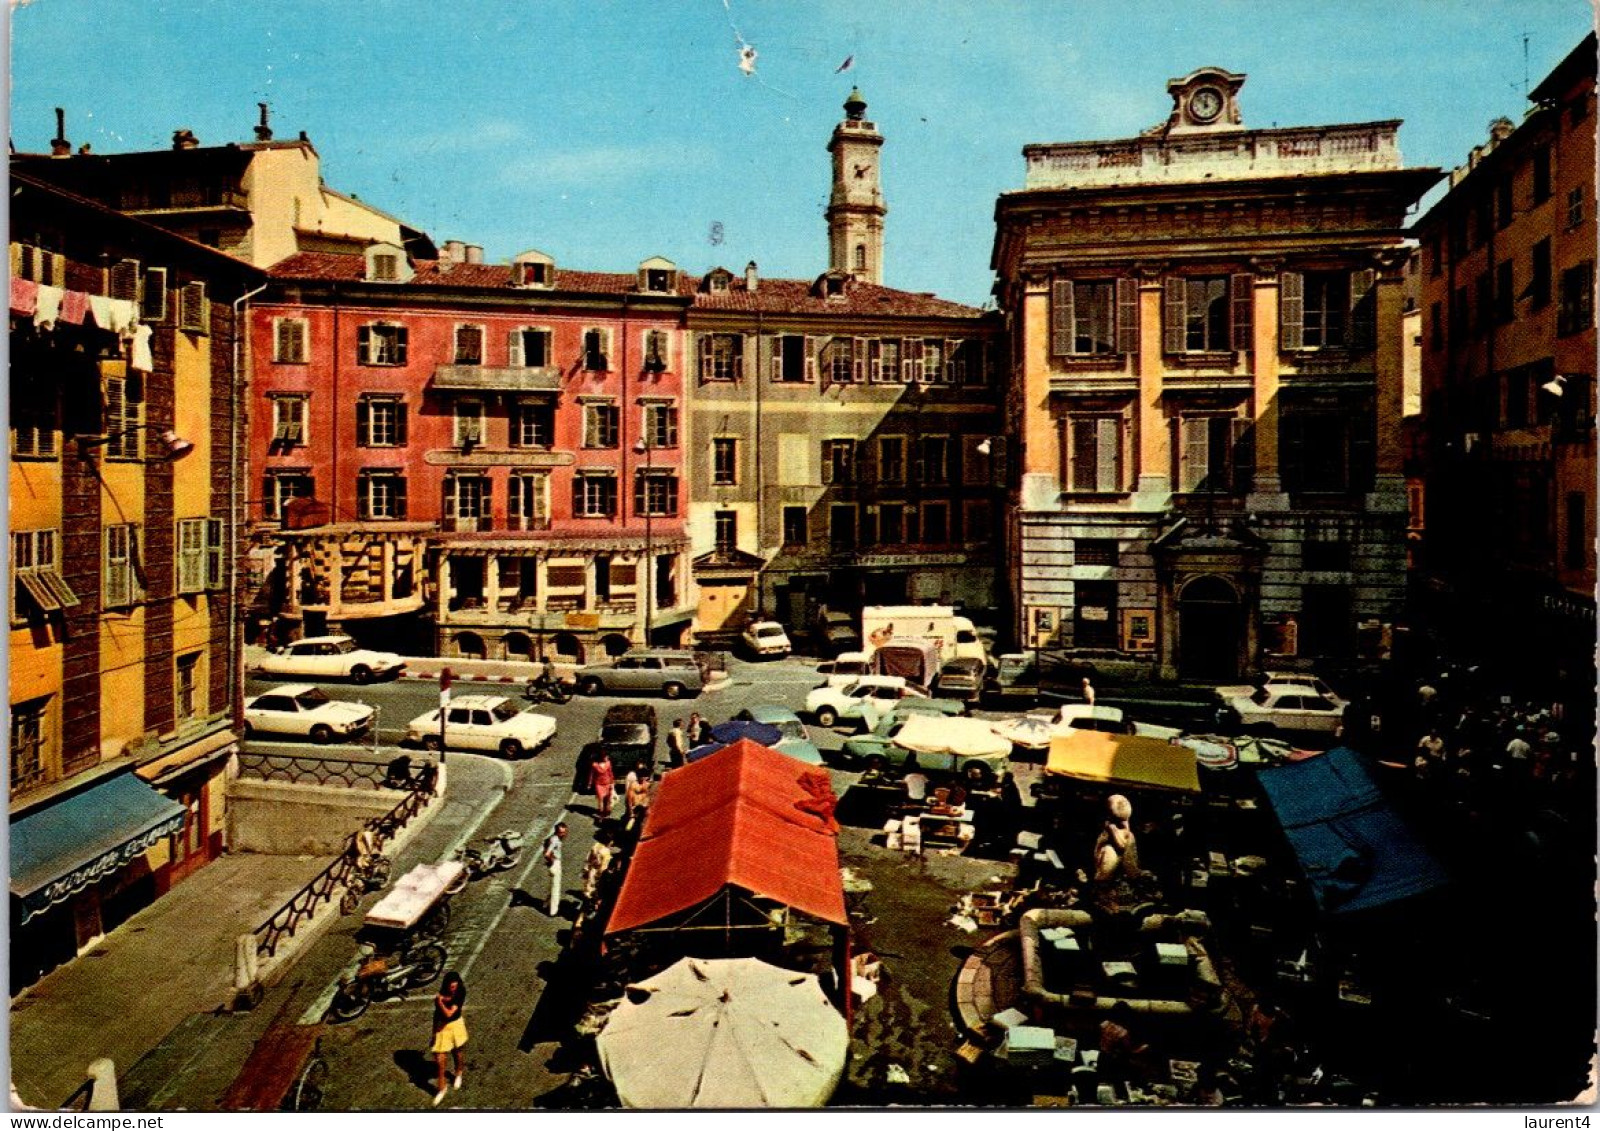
(796, 741)
(305, 710)
(330, 657)
(942, 746)
(960, 679)
(1084, 716)
(846, 668)
(661, 671)
(862, 702)
(837, 634)
(1015, 682)
(1284, 681)
(766, 638)
(628, 732)
(1291, 708)
(484, 722)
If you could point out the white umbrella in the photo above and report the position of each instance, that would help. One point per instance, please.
(724, 1032)
(1031, 732)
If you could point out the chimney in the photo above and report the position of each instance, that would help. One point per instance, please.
(83, 150)
(474, 253)
(184, 139)
(455, 251)
(1499, 130)
(263, 131)
(750, 276)
(60, 146)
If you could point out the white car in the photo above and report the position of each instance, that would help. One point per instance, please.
(866, 699)
(1086, 716)
(1291, 707)
(484, 722)
(846, 668)
(1284, 681)
(766, 638)
(331, 657)
(305, 710)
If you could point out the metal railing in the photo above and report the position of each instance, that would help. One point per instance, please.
(329, 884)
(304, 769)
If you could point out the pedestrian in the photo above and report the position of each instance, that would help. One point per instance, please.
(449, 1030)
(603, 780)
(597, 863)
(676, 744)
(1088, 691)
(691, 738)
(1519, 749)
(552, 860)
(915, 781)
(636, 795)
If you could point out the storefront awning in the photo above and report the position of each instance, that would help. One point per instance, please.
(62, 849)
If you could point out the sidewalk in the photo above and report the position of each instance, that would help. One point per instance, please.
(473, 671)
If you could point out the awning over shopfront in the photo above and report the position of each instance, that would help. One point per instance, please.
(1355, 850)
(1123, 759)
(62, 849)
(746, 817)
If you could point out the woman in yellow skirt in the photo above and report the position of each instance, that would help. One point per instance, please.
(449, 1029)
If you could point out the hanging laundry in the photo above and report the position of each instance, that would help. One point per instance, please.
(141, 359)
(24, 296)
(124, 313)
(75, 307)
(49, 305)
(100, 310)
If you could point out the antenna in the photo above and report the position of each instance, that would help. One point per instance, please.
(1524, 65)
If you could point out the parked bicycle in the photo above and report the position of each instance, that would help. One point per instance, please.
(381, 977)
(498, 853)
(369, 873)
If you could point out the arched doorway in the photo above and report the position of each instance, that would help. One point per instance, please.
(566, 647)
(518, 646)
(614, 644)
(470, 646)
(1210, 624)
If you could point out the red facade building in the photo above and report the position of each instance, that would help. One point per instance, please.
(483, 460)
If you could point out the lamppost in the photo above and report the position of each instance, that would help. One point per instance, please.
(642, 446)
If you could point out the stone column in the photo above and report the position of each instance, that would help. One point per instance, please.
(1154, 452)
(1267, 491)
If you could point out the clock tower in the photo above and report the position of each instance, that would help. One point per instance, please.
(1205, 101)
(856, 210)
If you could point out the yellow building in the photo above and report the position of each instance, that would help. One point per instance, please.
(124, 688)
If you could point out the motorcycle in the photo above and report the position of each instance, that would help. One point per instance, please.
(370, 873)
(542, 687)
(498, 854)
(386, 977)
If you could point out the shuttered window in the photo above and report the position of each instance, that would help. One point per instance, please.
(380, 422)
(1095, 453)
(194, 311)
(120, 566)
(191, 555)
(381, 343)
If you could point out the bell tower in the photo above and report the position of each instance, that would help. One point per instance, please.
(856, 210)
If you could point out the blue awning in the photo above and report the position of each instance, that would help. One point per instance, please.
(1355, 850)
(65, 847)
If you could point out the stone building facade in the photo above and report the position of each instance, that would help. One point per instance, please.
(1205, 329)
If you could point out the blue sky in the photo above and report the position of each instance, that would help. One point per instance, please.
(604, 133)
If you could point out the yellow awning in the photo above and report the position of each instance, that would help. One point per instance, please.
(1123, 758)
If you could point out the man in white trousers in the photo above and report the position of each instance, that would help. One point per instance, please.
(552, 860)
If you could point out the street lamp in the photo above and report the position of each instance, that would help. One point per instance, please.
(642, 446)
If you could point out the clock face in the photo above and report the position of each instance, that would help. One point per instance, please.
(1205, 104)
(862, 171)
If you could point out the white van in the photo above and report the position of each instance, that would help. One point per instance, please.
(957, 636)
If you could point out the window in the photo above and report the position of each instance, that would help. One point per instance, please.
(468, 501)
(1326, 451)
(1094, 452)
(724, 461)
(35, 422)
(153, 295)
(838, 462)
(1577, 545)
(842, 527)
(594, 495)
(28, 743)
(123, 412)
(792, 359)
(40, 266)
(794, 526)
(469, 345)
(527, 274)
(655, 493)
(380, 494)
(121, 572)
(1575, 207)
(1539, 283)
(533, 423)
(385, 267)
(191, 549)
(1541, 174)
(933, 371)
(1083, 317)
(657, 280)
(194, 312)
(381, 343)
(122, 280)
(380, 421)
(1209, 456)
(660, 426)
(861, 257)
(935, 523)
(1327, 310)
(1327, 299)
(289, 341)
(891, 523)
(596, 350)
(891, 459)
(530, 348)
(1095, 552)
(36, 581)
(1504, 206)
(186, 687)
(966, 363)
(1577, 299)
(1504, 292)
(655, 351)
(839, 361)
(933, 460)
(602, 577)
(722, 357)
(468, 420)
(726, 525)
(883, 361)
(1197, 312)
(281, 486)
(601, 421)
(528, 503)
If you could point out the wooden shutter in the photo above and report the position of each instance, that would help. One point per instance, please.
(514, 353)
(875, 361)
(401, 334)
(705, 357)
(1363, 310)
(363, 423)
(1241, 302)
(858, 356)
(399, 423)
(1174, 324)
(1061, 317)
(1192, 452)
(811, 358)
(1244, 454)
(153, 295)
(911, 361)
(115, 407)
(123, 281)
(774, 357)
(1291, 310)
(1128, 315)
(1108, 454)
(740, 344)
(364, 345)
(214, 558)
(1083, 455)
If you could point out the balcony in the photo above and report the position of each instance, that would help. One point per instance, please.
(192, 202)
(498, 379)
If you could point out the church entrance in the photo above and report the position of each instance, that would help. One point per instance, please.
(1210, 624)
